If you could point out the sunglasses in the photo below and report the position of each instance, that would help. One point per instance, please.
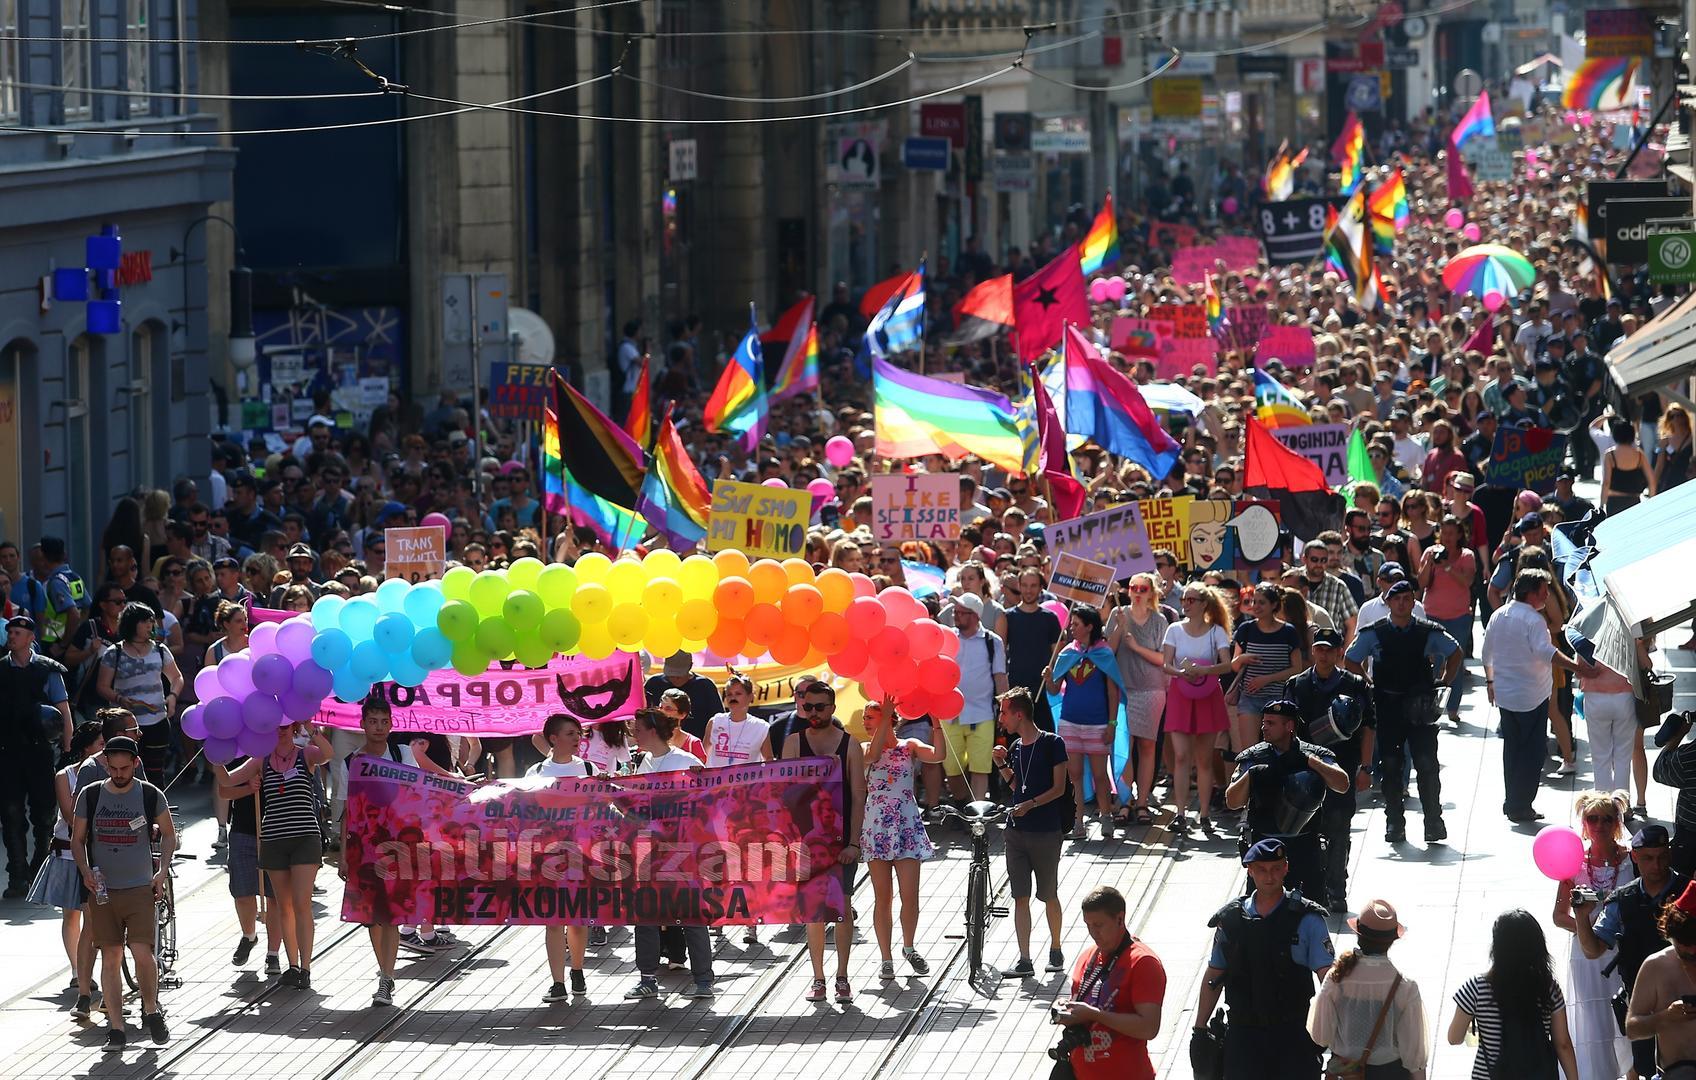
(1141, 588)
(816, 706)
(1191, 600)
(1601, 819)
(889, 560)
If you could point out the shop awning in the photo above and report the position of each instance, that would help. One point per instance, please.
(1661, 351)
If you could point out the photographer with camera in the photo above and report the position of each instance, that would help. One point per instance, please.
(1118, 985)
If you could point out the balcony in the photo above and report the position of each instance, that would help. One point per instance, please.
(1260, 16)
(970, 27)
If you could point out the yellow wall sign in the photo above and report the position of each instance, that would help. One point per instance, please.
(759, 521)
(1177, 98)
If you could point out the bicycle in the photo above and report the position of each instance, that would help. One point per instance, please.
(977, 817)
(164, 929)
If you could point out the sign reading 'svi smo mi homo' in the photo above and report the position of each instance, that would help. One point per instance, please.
(760, 521)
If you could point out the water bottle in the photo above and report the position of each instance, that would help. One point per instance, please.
(100, 894)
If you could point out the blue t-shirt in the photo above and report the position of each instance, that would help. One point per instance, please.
(1366, 646)
(1084, 695)
(1312, 947)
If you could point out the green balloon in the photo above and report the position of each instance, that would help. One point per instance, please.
(532, 653)
(560, 630)
(496, 637)
(556, 584)
(523, 610)
(469, 660)
(457, 620)
(488, 593)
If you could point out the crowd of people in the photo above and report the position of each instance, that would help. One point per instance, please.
(1267, 700)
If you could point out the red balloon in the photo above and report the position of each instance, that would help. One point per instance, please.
(728, 638)
(939, 673)
(764, 624)
(865, 617)
(830, 633)
(850, 660)
(869, 685)
(925, 635)
(915, 703)
(791, 646)
(950, 646)
(733, 597)
(898, 678)
(889, 646)
(947, 705)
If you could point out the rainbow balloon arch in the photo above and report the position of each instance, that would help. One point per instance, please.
(530, 612)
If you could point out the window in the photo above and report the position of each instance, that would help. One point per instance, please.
(9, 50)
(144, 348)
(77, 60)
(136, 57)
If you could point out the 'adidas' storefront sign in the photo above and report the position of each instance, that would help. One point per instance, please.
(1643, 231)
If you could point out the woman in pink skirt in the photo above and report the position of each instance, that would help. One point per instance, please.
(1198, 650)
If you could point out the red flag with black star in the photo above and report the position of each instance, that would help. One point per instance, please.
(1045, 302)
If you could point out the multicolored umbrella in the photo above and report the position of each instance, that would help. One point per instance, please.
(1489, 270)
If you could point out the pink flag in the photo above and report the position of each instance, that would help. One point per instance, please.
(1064, 490)
(1460, 184)
(1484, 338)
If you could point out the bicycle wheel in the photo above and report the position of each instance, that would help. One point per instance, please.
(977, 915)
(165, 929)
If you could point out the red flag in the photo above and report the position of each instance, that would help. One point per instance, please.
(1460, 184)
(879, 294)
(1268, 463)
(1065, 491)
(790, 324)
(985, 311)
(1046, 301)
(1484, 338)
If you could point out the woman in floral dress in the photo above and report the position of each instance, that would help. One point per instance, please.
(892, 839)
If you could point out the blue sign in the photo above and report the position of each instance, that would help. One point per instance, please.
(1364, 93)
(925, 152)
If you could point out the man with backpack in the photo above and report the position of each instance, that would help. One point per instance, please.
(983, 679)
(1044, 810)
(110, 841)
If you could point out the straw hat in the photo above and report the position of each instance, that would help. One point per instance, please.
(1378, 919)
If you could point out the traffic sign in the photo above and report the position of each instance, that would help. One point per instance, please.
(1672, 258)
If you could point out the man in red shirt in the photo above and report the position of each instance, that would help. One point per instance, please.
(1117, 987)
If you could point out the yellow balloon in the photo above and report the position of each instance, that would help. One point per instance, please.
(625, 581)
(596, 643)
(662, 640)
(697, 619)
(731, 563)
(524, 572)
(628, 624)
(694, 646)
(591, 603)
(837, 588)
(799, 572)
(769, 581)
(698, 576)
(456, 583)
(593, 567)
(661, 597)
(661, 563)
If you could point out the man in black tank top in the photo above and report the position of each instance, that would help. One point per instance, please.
(822, 738)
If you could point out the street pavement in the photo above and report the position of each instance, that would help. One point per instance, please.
(478, 1009)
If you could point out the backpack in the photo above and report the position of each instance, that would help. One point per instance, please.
(149, 807)
(1526, 1051)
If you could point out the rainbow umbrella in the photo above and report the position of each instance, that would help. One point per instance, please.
(1489, 270)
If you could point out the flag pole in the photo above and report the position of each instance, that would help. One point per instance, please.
(924, 257)
(565, 488)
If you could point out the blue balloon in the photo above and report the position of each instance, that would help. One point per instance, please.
(431, 650)
(422, 602)
(327, 612)
(393, 633)
(350, 687)
(369, 662)
(314, 681)
(391, 595)
(404, 671)
(359, 616)
(331, 649)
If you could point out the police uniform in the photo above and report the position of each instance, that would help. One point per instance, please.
(1628, 921)
(1283, 804)
(1328, 709)
(1268, 964)
(26, 760)
(65, 593)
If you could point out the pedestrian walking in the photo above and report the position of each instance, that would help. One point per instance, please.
(1035, 770)
(893, 841)
(1118, 989)
(564, 735)
(1336, 712)
(57, 883)
(1086, 675)
(1136, 632)
(1590, 985)
(1197, 651)
(1516, 1010)
(1281, 782)
(1368, 1016)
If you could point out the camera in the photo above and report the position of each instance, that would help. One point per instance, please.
(1583, 894)
(1439, 553)
(1071, 1038)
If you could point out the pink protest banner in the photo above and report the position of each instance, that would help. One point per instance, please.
(257, 615)
(1291, 344)
(1188, 320)
(1244, 325)
(1138, 337)
(1191, 265)
(708, 847)
(1168, 234)
(1179, 357)
(507, 699)
(1239, 252)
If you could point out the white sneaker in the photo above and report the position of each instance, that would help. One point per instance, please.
(1567, 768)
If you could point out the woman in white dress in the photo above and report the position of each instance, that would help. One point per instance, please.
(1603, 1053)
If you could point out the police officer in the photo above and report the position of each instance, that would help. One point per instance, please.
(1268, 947)
(1629, 920)
(1282, 780)
(28, 681)
(1402, 649)
(68, 599)
(1337, 713)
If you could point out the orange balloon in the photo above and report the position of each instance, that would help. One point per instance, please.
(799, 571)
(792, 645)
(764, 624)
(731, 563)
(769, 581)
(830, 633)
(802, 604)
(728, 638)
(733, 597)
(837, 588)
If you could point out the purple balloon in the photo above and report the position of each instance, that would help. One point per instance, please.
(235, 675)
(273, 674)
(300, 708)
(312, 681)
(223, 718)
(256, 743)
(263, 640)
(294, 639)
(207, 686)
(193, 721)
(262, 712)
(221, 751)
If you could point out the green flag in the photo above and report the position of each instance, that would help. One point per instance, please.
(1360, 462)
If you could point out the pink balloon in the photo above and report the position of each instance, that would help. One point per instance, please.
(889, 646)
(1472, 231)
(1454, 219)
(774, 482)
(950, 646)
(851, 661)
(821, 488)
(1229, 204)
(866, 617)
(1059, 610)
(1494, 301)
(436, 519)
(863, 585)
(263, 640)
(839, 451)
(1558, 852)
(1531, 159)
(939, 673)
(899, 677)
(1098, 290)
(1116, 289)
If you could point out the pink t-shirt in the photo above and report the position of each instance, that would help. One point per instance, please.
(1446, 598)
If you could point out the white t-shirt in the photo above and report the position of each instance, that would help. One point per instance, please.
(606, 758)
(673, 760)
(734, 742)
(1203, 649)
(550, 767)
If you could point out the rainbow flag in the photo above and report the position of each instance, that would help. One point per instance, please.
(674, 498)
(1100, 248)
(1106, 406)
(1388, 210)
(916, 416)
(738, 405)
(640, 423)
(1350, 153)
(1581, 223)
(614, 525)
(1279, 183)
(1477, 121)
(1601, 83)
(1275, 405)
(799, 372)
(1346, 240)
(1215, 306)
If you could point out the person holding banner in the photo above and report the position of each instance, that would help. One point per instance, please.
(564, 736)
(375, 722)
(1086, 675)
